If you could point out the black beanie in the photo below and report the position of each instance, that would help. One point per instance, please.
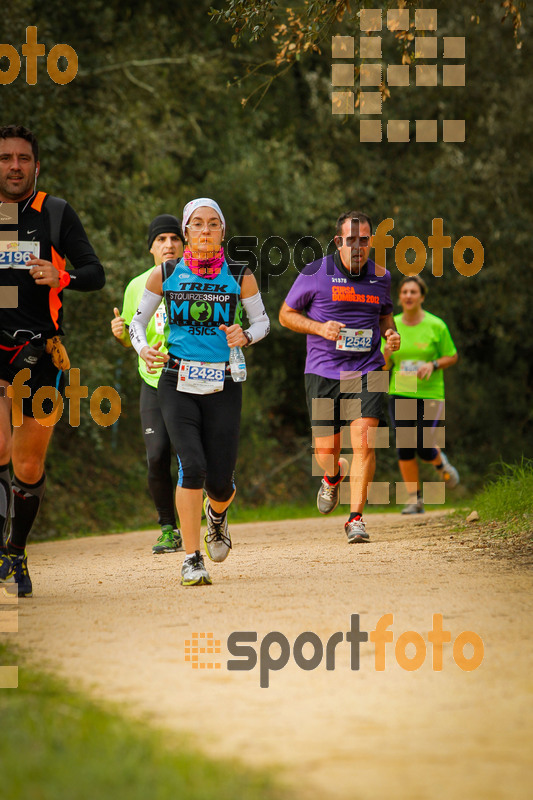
(164, 223)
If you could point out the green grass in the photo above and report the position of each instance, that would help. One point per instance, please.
(508, 499)
(58, 745)
(280, 511)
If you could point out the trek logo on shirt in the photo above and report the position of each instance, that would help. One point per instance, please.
(201, 308)
(348, 293)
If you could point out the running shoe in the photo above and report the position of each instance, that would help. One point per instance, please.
(327, 498)
(6, 567)
(22, 576)
(356, 531)
(449, 474)
(168, 542)
(414, 508)
(193, 571)
(217, 539)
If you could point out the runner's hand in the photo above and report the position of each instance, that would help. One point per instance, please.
(393, 339)
(331, 329)
(118, 325)
(425, 371)
(153, 358)
(43, 272)
(234, 335)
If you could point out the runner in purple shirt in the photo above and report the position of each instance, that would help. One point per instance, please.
(343, 304)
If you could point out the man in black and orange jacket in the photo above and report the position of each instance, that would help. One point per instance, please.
(37, 234)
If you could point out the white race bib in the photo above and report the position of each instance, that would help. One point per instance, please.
(409, 367)
(160, 318)
(201, 377)
(354, 341)
(14, 255)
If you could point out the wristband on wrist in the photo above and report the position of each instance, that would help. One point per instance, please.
(435, 364)
(64, 279)
(249, 337)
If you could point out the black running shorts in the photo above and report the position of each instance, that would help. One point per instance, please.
(43, 374)
(338, 412)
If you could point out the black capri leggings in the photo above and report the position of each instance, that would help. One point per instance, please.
(204, 431)
(428, 417)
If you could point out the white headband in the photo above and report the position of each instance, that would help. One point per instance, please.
(201, 201)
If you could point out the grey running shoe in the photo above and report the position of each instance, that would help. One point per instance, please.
(356, 531)
(414, 508)
(327, 498)
(168, 542)
(449, 474)
(217, 539)
(193, 571)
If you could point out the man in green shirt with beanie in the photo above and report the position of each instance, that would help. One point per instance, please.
(165, 242)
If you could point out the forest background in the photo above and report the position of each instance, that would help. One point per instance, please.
(166, 107)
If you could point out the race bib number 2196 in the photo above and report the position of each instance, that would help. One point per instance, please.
(14, 255)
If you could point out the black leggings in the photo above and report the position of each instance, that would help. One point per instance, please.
(204, 431)
(158, 455)
(428, 416)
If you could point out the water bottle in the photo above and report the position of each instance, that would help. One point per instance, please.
(237, 364)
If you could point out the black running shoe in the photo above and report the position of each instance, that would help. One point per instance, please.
(6, 567)
(22, 576)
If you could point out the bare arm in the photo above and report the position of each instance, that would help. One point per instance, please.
(298, 322)
(443, 362)
(155, 281)
(249, 285)
(447, 361)
(387, 323)
(392, 338)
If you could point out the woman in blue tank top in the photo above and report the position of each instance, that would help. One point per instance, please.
(201, 404)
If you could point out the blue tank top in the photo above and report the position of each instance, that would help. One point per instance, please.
(196, 307)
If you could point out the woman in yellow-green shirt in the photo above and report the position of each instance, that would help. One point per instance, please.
(416, 371)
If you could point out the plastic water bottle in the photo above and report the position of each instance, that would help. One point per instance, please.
(237, 364)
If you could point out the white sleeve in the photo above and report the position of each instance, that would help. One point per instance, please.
(257, 316)
(148, 305)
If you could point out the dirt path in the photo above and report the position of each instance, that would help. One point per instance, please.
(112, 618)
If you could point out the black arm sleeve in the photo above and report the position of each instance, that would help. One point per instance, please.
(88, 273)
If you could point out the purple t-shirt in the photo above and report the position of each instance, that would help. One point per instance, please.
(324, 292)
